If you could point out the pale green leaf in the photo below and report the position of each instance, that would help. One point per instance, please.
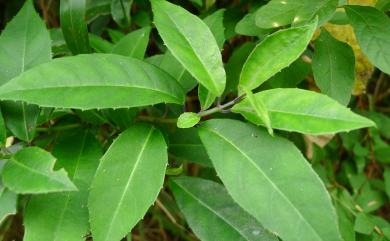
(30, 170)
(195, 47)
(303, 111)
(270, 179)
(73, 25)
(207, 204)
(334, 67)
(372, 30)
(24, 43)
(81, 82)
(278, 13)
(363, 224)
(127, 182)
(275, 53)
(188, 120)
(133, 44)
(64, 216)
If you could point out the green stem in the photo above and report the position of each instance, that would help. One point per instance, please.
(221, 108)
(58, 128)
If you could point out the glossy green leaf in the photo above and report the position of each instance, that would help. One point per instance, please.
(127, 182)
(64, 216)
(73, 25)
(270, 179)
(275, 53)
(334, 67)
(120, 11)
(303, 111)
(372, 30)
(8, 201)
(133, 44)
(82, 80)
(278, 13)
(31, 171)
(207, 204)
(24, 43)
(185, 145)
(188, 44)
(188, 120)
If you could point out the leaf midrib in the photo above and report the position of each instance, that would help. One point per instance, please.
(251, 161)
(194, 53)
(108, 232)
(212, 210)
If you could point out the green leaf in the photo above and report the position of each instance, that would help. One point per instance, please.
(115, 35)
(363, 224)
(234, 65)
(334, 67)
(3, 131)
(188, 120)
(206, 98)
(207, 204)
(64, 216)
(278, 13)
(24, 43)
(215, 23)
(133, 44)
(82, 80)
(185, 145)
(247, 26)
(99, 44)
(173, 67)
(303, 111)
(8, 203)
(96, 8)
(120, 11)
(20, 119)
(127, 182)
(73, 25)
(372, 30)
(195, 47)
(275, 53)
(386, 176)
(270, 179)
(30, 170)
(260, 110)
